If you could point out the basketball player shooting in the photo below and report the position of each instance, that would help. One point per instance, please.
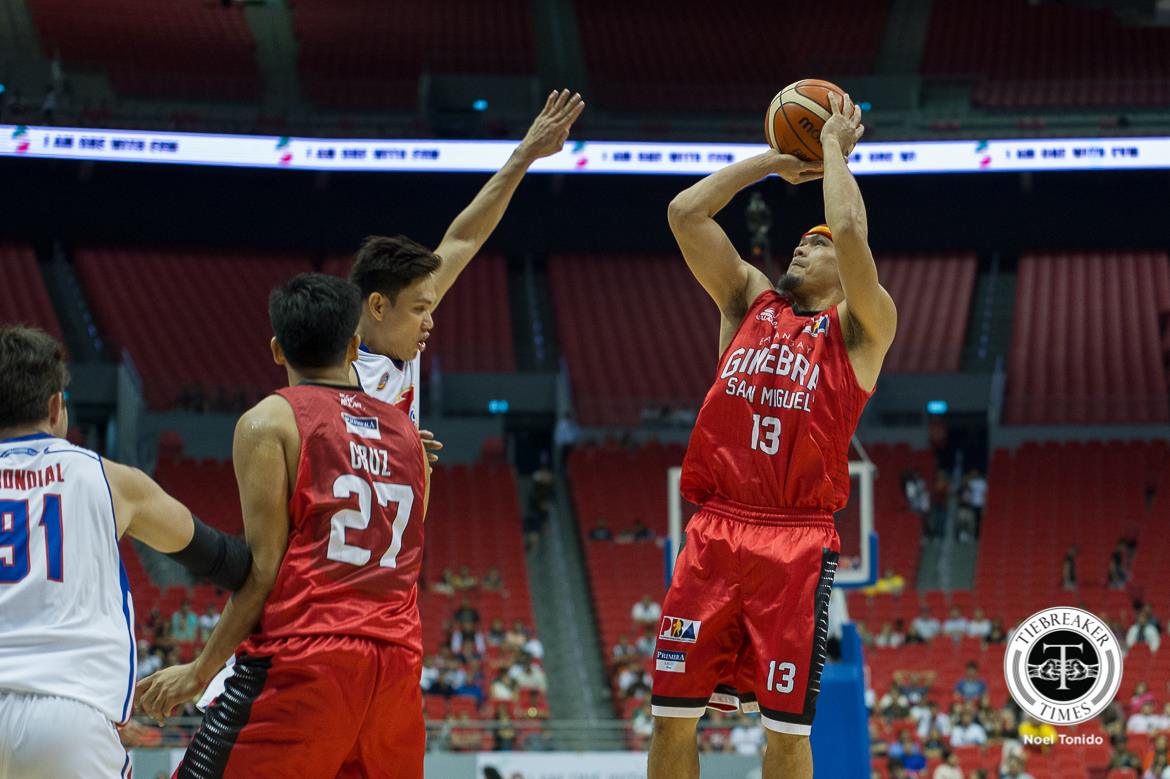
(744, 622)
(333, 485)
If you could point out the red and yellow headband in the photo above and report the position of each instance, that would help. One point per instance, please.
(820, 230)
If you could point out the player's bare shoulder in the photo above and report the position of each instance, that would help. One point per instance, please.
(270, 423)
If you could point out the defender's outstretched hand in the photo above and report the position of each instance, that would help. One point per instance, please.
(844, 125)
(550, 130)
(164, 691)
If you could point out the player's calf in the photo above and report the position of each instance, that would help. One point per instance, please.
(787, 756)
(674, 752)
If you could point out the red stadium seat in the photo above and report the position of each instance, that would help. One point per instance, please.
(23, 297)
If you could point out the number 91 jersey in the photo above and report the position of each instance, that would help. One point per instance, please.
(774, 430)
(355, 523)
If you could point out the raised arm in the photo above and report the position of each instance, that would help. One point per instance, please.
(731, 282)
(868, 308)
(146, 512)
(475, 223)
(263, 457)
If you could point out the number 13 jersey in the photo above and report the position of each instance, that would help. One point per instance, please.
(355, 523)
(775, 427)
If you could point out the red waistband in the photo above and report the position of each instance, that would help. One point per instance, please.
(766, 515)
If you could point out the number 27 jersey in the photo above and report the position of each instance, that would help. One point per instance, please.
(774, 429)
(355, 523)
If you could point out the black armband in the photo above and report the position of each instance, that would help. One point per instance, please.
(214, 555)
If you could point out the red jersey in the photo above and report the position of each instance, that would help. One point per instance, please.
(774, 430)
(356, 523)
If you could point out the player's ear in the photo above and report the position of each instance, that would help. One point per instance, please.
(277, 352)
(58, 415)
(351, 351)
(377, 304)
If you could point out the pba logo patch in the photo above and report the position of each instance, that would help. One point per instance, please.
(366, 427)
(674, 662)
(1063, 665)
(819, 326)
(678, 629)
(382, 381)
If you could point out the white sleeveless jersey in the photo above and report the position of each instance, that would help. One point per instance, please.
(381, 378)
(66, 616)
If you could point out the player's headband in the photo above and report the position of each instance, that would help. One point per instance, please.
(820, 230)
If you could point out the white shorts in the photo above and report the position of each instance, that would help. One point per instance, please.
(57, 738)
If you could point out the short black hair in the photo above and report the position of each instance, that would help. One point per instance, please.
(32, 370)
(390, 264)
(313, 317)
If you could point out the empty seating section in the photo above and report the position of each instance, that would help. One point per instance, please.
(637, 332)
(647, 57)
(934, 301)
(207, 487)
(372, 54)
(473, 323)
(1012, 45)
(189, 319)
(188, 49)
(1087, 346)
(23, 297)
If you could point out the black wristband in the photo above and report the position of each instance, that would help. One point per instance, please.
(214, 555)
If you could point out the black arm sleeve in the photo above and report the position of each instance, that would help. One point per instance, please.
(214, 555)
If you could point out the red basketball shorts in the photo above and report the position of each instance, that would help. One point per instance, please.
(314, 707)
(745, 621)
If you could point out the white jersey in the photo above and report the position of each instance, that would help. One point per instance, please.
(381, 378)
(66, 616)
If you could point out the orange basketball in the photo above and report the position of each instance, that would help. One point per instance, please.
(794, 120)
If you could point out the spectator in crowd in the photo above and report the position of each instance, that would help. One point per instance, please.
(1143, 631)
(533, 646)
(1162, 721)
(948, 769)
(208, 622)
(1118, 568)
(492, 581)
(1015, 769)
(646, 612)
(967, 732)
(1068, 569)
(1141, 696)
(149, 661)
(468, 639)
(971, 687)
(887, 638)
(1143, 721)
(975, 496)
(601, 531)
(933, 720)
(538, 741)
(1123, 757)
(956, 625)
(446, 583)
(1159, 769)
(747, 737)
(504, 732)
(645, 645)
(464, 737)
(979, 626)
(184, 624)
(464, 580)
(466, 613)
(431, 675)
(891, 583)
(623, 648)
(528, 675)
(907, 752)
(1037, 736)
(1159, 751)
(641, 532)
(917, 498)
(503, 689)
(934, 746)
(496, 633)
(996, 635)
(642, 726)
(924, 627)
(895, 704)
(516, 637)
(633, 680)
(534, 521)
